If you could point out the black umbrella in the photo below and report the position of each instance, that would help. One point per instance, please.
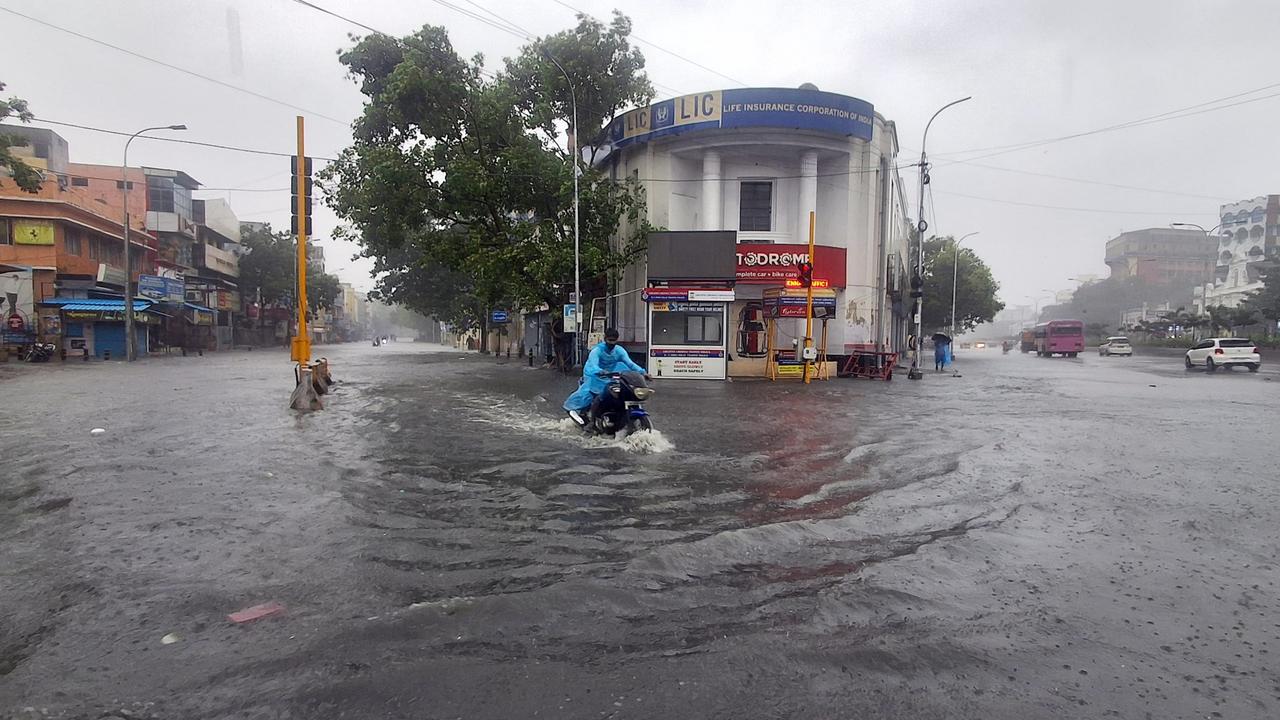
(941, 338)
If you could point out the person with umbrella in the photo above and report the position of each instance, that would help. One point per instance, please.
(941, 351)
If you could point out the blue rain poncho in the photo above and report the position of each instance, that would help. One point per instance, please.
(601, 359)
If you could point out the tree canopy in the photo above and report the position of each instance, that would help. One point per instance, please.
(976, 289)
(457, 185)
(271, 268)
(27, 177)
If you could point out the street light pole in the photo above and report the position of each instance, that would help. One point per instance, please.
(921, 226)
(1204, 299)
(130, 347)
(577, 244)
(955, 276)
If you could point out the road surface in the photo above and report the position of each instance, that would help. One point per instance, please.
(1037, 538)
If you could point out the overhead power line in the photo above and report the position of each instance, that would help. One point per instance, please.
(1090, 182)
(1172, 213)
(158, 138)
(1177, 114)
(171, 66)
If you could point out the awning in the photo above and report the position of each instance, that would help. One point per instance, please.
(95, 304)
(198, 308)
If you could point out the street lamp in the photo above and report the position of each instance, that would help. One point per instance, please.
(1204, 296)
(955, 275)
(921, 226)
(577, 246)
(130, 348)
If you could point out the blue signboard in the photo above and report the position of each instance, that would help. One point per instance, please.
(789, 108)
(161, 288)
(501, 316)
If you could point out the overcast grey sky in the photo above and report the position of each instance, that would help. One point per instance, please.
(1036, 69)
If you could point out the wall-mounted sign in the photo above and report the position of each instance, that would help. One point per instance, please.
(655, 295)
(500, 317)
(32, 232)
(788, 108)
(165, 289)
(685, 362)
(110, 275)
(774, 264)
(792, 303)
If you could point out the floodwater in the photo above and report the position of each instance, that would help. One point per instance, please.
(1033, 539)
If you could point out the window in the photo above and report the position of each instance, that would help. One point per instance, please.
(159, 194)
(72, 242)
(120, 184)
(703, 330)
(104, 250)
(6, 237)
(1060, 330)
(686, 328)
(80, 182)
(41, 150)
(755, 208)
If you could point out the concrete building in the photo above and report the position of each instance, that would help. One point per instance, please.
(65, 243)
(1247, 240)
(1162, 256)
(755, 162)
(215, 257)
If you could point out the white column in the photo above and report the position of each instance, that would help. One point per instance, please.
(808, 193)
(712, 209)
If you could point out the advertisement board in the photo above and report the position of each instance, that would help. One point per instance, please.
(774, 264)
(32, 232)
(787, 108)
(687, 362)
(164, 289)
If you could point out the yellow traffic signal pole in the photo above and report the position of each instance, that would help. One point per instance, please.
(302, 341)
(305, 396)
(808, 305)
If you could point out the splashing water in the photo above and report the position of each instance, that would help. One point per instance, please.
(530, 420)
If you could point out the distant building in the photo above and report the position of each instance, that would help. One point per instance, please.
(315, 258)
(1248, 237)
(214, 282)
(1162, 256)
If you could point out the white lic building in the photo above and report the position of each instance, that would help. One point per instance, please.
(1248, 236)
(757, 161)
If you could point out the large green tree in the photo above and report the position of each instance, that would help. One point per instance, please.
(27, 177)
(458, 180)
(976, 289)
(271, 268)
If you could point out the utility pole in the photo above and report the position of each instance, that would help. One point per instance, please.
(955, 276)
(130, 347)
(577, 244)
(921, 226)
(808, 306)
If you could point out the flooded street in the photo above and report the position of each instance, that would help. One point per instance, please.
(1035, 539)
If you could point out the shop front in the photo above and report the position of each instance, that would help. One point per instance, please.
(96, 327)
(687, 332)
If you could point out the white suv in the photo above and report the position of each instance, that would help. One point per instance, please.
(1116, 346)
(1214, 353)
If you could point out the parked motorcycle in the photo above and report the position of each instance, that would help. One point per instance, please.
(620, 411)
(40, 352)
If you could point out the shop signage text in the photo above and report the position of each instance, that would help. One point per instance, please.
(695, 363)
(790, 108)
(774, 264)
(686, 295)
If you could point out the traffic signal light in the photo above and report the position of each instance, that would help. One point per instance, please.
(804, 274)
(303, 188)
(917, 286)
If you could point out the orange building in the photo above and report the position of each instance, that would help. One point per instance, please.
(67, 241)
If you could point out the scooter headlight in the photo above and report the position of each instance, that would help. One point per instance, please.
(643, 393)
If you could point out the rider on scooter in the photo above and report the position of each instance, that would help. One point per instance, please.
(607, 357)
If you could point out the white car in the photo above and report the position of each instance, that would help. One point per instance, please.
(1214, 353)
(1116, 346)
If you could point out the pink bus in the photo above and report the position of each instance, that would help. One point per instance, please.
(1060, 337)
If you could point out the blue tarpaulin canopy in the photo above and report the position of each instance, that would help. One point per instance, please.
(106, 305)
